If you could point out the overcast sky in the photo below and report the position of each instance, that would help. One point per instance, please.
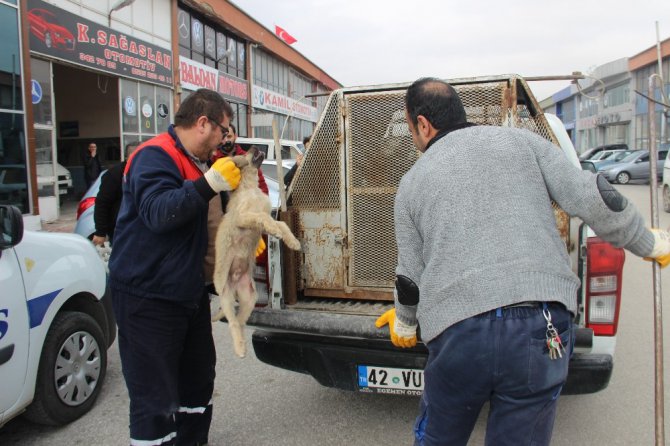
(362, 42)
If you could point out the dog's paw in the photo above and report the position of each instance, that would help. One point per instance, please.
(294, 244)
(240, 348)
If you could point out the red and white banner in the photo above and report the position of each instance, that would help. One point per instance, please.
(194, 75)
(286, 37)
(270, 100)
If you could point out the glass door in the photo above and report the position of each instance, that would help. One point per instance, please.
(50, 183)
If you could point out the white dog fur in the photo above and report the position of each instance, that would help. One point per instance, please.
(247, 217)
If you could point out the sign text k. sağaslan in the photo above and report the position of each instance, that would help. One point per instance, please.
(63, 35)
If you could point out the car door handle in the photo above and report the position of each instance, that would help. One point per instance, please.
(6, 354)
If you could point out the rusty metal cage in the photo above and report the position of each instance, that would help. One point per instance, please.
(359, 151)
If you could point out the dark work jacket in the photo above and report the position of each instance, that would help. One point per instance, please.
(92, 168)
(108, 201)
(160, 239)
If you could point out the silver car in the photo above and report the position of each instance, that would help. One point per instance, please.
(86, 225)
(634, 167)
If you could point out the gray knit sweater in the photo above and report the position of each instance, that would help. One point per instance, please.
(476, 231)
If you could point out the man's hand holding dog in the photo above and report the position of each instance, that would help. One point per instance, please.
(224, 175)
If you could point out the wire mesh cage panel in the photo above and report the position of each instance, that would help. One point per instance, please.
(379, 151)
(317, 186)
(360, 150)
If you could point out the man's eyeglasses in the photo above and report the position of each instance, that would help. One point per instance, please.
(224, 130)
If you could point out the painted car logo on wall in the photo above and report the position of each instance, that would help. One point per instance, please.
(129, 106)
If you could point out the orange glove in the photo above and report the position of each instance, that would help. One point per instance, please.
(260, 248)
(402, 335)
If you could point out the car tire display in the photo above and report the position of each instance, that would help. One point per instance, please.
(623, 178)
(71, 371)
(47, 40)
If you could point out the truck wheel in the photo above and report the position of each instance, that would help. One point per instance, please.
(623, 178)
(71, 371)
(666, 198)
(47, 40)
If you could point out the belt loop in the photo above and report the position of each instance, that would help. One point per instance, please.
(499, 312)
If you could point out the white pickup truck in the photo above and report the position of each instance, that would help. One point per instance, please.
(56, 323)
(322, 302)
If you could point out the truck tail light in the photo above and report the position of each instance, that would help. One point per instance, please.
(603, 289)
(84, 204)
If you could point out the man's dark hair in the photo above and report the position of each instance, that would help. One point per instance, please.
(437, 101)
(203, 102)
(306, 139)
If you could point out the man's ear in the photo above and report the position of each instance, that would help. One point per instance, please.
(424, 127)
(202, 122)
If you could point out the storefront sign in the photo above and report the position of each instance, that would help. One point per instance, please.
(194, 75)
(269, 100)
(63, 35)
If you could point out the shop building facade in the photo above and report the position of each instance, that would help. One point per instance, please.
(608, 109)
(76, 72)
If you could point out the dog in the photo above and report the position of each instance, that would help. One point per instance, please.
(247, 217)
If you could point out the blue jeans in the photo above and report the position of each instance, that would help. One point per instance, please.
(501, 357)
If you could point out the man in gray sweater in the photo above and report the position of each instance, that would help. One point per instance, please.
(482, 268)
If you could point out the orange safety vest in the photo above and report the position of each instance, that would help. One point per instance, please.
(188, 168)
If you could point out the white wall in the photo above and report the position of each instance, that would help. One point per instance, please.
(148, 20)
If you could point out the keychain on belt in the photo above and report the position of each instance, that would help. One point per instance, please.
(554, 343)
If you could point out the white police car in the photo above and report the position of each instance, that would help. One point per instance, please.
(56, 323)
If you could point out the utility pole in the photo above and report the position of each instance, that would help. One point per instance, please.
(664, 110)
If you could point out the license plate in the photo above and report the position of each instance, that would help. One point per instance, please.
(373, 379)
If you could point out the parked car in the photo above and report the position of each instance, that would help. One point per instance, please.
(44, 25)
(634, 167)
(45, 177)
(289, 149)
(666, 186)
(613, 157)
(591, 152)
(588, 165)
(269, 168)
(85, 225)
(56, 323)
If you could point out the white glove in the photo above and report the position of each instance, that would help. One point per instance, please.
(402, 335)
(661, 243)
(224, 175)
(661, 251)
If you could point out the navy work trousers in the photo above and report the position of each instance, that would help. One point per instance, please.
(168, 361)
(501, 357)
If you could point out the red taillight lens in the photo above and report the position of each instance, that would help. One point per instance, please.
(84, 204)
(603, 289)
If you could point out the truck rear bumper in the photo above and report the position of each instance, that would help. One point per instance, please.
(333, 361)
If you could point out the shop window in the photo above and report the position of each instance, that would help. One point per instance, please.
(184, 28)
(147, 109)
(11, 97)
(13, 173)
(129, 101)
(41, 91)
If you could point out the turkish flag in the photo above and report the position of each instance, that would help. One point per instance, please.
(286, 37)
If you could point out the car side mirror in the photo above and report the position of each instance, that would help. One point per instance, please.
(11, 226)
(638, 161)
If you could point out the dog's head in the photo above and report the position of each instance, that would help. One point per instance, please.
(252, 159)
